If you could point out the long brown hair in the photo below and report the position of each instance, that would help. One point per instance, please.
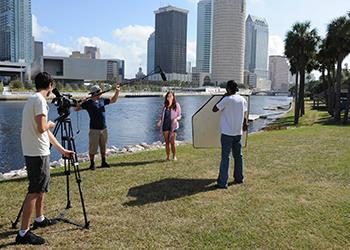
(166, 103)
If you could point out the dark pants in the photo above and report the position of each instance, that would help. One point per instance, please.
(228, 143)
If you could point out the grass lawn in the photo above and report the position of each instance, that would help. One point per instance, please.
(296, 195)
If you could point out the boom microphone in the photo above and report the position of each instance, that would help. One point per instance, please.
(162, 75)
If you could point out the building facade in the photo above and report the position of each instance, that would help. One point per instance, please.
(279, 73)
(16, 43)
(204, 17)
(78, 70)
(150, 53)
(171, 39)
(228, 40)
(256, 49)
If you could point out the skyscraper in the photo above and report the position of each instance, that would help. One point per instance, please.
(256, 49)
(150, 53)
(279, 73)
(92, 52)
(16, 41)
(204, 15)
(171, 39)
(228, 40)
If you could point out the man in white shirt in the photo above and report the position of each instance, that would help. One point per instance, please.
(36, 138)
(233, 121)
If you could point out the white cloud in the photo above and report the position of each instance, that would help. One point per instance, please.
(134, 53)
(38, 30)
(55, 49)
(276, 45)
(133, 33)
(191, 52)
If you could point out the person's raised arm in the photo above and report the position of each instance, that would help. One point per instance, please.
(114, 98)
(80, 103)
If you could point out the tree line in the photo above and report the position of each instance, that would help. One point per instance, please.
(307, 51)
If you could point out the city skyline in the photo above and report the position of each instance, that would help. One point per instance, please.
(121, 29)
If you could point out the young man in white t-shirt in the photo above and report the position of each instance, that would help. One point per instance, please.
(36, 138)
(233, 121)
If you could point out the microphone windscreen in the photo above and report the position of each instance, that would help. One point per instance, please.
(56, 92)
(163, 76)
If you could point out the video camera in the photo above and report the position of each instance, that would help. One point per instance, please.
(63, 102)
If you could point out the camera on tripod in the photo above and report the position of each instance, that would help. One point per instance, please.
(63, 102)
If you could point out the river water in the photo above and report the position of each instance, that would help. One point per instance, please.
(129, 121)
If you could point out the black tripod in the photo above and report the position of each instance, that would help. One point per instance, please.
(64, 125)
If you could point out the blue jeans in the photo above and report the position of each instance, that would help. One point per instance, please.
(228, 143)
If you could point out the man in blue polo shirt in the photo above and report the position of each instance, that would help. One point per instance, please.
(98, 133)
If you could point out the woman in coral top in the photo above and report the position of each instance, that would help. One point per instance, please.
(168, 123)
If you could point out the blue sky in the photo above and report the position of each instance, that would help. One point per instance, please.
(121, 28)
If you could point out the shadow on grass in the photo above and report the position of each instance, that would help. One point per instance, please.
(168, 189)
(62, 173)
(4, 235)
(135, 163)
(332, 122)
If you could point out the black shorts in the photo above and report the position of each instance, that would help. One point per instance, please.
(38, 170)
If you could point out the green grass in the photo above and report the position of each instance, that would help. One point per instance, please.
(296, 196)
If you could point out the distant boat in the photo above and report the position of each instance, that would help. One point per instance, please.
(270, 108)
(286, 107)
(279, 107)
(253, 117)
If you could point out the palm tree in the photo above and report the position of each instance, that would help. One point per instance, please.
(300, 48)
(339, 41)
(328, 59)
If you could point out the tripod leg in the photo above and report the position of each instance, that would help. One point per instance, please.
(75, 164)
(67, 173)
(14, 224)
(78, 179)
(65, 143)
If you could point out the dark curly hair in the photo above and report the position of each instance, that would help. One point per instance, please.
(43, 80)
(166, 103)
(232, 86)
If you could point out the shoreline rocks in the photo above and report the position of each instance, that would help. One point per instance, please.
(84, 157)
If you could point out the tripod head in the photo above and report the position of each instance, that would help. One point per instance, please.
(63, 102)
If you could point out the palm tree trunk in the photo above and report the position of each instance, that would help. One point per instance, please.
(346, 114)
(337, 91)
(296, 103)
(330, 92)
(301, 88)
(302, 107)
